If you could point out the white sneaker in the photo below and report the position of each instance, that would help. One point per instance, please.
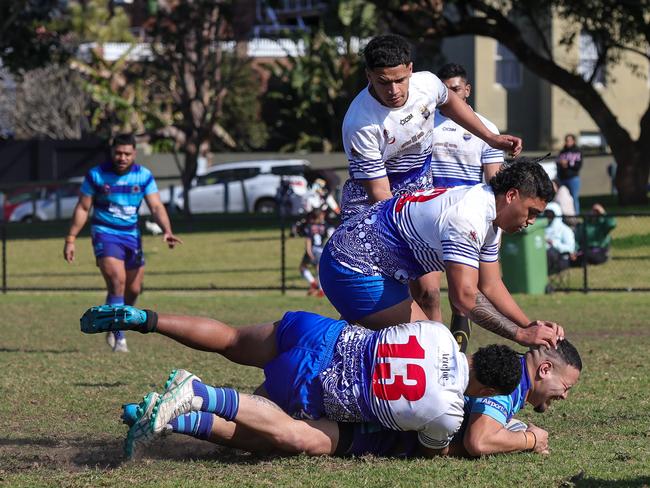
(120, 346)
(110, 339)
(177, 400)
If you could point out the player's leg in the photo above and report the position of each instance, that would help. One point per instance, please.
(114, 274)
(426, 292)
(133, 285)
(307, 275)
(254, 345)
(405, 311)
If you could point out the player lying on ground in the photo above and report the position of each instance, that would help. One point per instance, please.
(257, 425)
(408, 377)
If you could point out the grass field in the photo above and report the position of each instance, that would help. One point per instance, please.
(61, 391)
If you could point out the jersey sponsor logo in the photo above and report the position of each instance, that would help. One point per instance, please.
(467, 136)
(413, 139)
(449, 129)
(426, 113)
(491, 403)
(445, 369)
(390, 139)
(406, 119)
(473, 235)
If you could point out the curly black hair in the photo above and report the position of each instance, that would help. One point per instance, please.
(452, 70)
(527, 176)
(497, 366)
(387, 51)
(565, 353)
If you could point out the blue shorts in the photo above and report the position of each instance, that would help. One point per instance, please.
(125, 248)
(305, 347)
(356, 295)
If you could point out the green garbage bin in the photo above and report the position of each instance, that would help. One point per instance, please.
(523, 259)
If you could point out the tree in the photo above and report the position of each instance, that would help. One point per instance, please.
(196, 74)
(619, 27)
(32, 34)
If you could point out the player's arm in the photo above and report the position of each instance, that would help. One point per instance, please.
(489, 170)
(79, 219)
(461, 113)
(378, 189)
(464, 293)
(484, 435)
(160, 216)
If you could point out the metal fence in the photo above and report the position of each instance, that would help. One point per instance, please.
(249, 252)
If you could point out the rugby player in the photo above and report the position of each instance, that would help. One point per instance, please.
(115, 191)
(369, 260)
(458, 158)
(409, 377)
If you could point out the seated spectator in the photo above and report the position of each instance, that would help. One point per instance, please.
(593, 237)
(564, 199)
(560, 240)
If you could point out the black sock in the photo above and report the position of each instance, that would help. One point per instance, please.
(152, 322)
(461, 331)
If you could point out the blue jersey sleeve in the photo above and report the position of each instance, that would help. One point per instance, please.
(88, 186)
(150, 185)
(497, 407)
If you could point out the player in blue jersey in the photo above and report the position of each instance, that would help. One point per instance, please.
(458, 158)
(369, 260)
(115, 191)
(254, 423)
(409, 377)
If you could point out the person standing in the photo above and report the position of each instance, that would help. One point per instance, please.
(569, 163)
(115, 190)
(458, 158)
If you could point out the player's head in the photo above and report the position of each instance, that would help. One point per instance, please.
(454, 77)
(570, 140)
(522, 189)
(123, 150)
(497, 369)
(553, 372)
(388, 68)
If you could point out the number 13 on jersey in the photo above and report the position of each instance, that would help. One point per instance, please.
(389, 386)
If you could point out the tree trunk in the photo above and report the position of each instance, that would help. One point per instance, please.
(632, 171)
(191, 154)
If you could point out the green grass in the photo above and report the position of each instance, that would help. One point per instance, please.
(62, 391)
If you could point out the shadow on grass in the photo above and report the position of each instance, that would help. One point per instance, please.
(148, 273)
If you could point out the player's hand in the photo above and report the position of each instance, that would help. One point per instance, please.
(511, 144)
(68, 251)
(538, 335)
(541, 439)
(171, 240)
(557, 328)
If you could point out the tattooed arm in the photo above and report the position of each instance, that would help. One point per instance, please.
(464, 294)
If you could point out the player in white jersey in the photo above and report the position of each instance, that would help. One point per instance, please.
(369, 260)
(458, 158)
(410, 377)
(387, 131)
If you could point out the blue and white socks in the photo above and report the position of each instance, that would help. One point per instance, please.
(195, 424)
(223, 402)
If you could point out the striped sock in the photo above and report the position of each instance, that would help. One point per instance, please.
(116, 300)
(195, 424)
(223, 402)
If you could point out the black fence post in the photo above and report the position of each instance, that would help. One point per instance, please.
(585, 280)
(4, 257)
(283, 237)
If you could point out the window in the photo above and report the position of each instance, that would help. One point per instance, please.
(508, 69)
(296, 170)
(588, 59)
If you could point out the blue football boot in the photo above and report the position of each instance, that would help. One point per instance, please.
(107, 318)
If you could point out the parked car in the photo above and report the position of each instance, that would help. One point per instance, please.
(247, 186)
(39, 203)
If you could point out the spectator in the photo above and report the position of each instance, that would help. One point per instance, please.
(564, 199)
(315, 232)
(560, 240)
(569, 162)
(593, 236)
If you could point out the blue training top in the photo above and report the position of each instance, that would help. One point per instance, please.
(117, 198)
(501, 407)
